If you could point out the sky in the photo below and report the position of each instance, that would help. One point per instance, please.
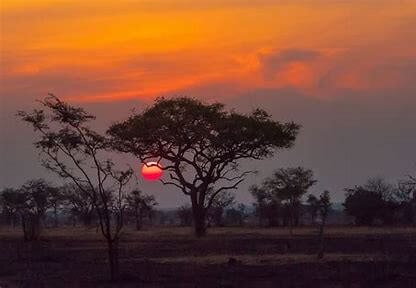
(344, 69)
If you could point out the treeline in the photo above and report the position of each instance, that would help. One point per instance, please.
(282, 200)
(37, 204)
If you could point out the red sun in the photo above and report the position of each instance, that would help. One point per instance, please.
(152, 171)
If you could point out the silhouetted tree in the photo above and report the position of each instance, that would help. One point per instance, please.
(267, 205)
(37, 200)
(30, 203)
(289, 185)
(372, 201)
(202, 145)
(141, 206)
(75, 152)
(12, 201)
(406, 198)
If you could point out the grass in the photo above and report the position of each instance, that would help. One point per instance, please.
(186, 232)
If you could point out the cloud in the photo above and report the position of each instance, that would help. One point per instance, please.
(274, 62)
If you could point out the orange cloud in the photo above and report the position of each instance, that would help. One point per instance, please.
(124, 49)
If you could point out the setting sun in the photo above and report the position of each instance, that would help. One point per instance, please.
(152, 171)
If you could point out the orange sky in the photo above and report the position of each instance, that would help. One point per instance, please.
(118, 49)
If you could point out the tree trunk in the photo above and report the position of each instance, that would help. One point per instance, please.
(113, 258)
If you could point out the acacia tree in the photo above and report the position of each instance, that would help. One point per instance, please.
(77, 153)
(140, 205)
(201, 146)
(30, 203)
(36, 196)
(289, 185)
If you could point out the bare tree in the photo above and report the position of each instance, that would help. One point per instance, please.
(202, 145)
(79, 154)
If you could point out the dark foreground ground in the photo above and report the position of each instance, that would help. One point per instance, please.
(365, 257)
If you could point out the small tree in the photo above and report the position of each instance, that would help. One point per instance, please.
(141, 206)
(36, 195)
(30, 203)
(267, 205)
(324, 205)
(75, 152)
(202, 145)
(79, 203)
(372, 201)
(12, 201)
(289, 185)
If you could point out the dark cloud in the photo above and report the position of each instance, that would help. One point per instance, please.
(272, 63)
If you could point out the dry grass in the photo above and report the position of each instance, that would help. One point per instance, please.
(272, 259)
(246, 232)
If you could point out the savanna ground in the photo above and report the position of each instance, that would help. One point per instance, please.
(227, 257)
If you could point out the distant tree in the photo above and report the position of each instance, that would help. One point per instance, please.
(79, 154)
(363, 205)
(406, 198)
(37, 201)
(202, 145)
(215, 214)
(289, 185)
(56, 202)
(268, 207)
(141, 206)
(184, 214)
(30, 203)
(236, 215)
(324, 205)
(79, 203)
(371, 201)
(11, 202)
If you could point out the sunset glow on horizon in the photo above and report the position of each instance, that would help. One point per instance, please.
(115, 50)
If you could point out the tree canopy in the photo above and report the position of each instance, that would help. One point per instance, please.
(201, 144)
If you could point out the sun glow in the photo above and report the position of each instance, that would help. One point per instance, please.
(152, 171)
